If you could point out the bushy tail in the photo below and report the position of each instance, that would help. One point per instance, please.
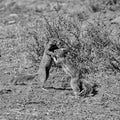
(94, 89)
(89, 89)
(85, 88)
(21, 80)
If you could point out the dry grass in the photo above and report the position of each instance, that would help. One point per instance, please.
(83, 26)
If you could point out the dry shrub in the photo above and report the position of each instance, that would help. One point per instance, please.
(88, 53)
(99, 5)
(67, 32)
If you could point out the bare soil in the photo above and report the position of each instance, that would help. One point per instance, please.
(26, 102)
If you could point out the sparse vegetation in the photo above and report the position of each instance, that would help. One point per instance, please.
(82, 26)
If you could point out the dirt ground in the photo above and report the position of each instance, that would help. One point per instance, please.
(26, 102)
